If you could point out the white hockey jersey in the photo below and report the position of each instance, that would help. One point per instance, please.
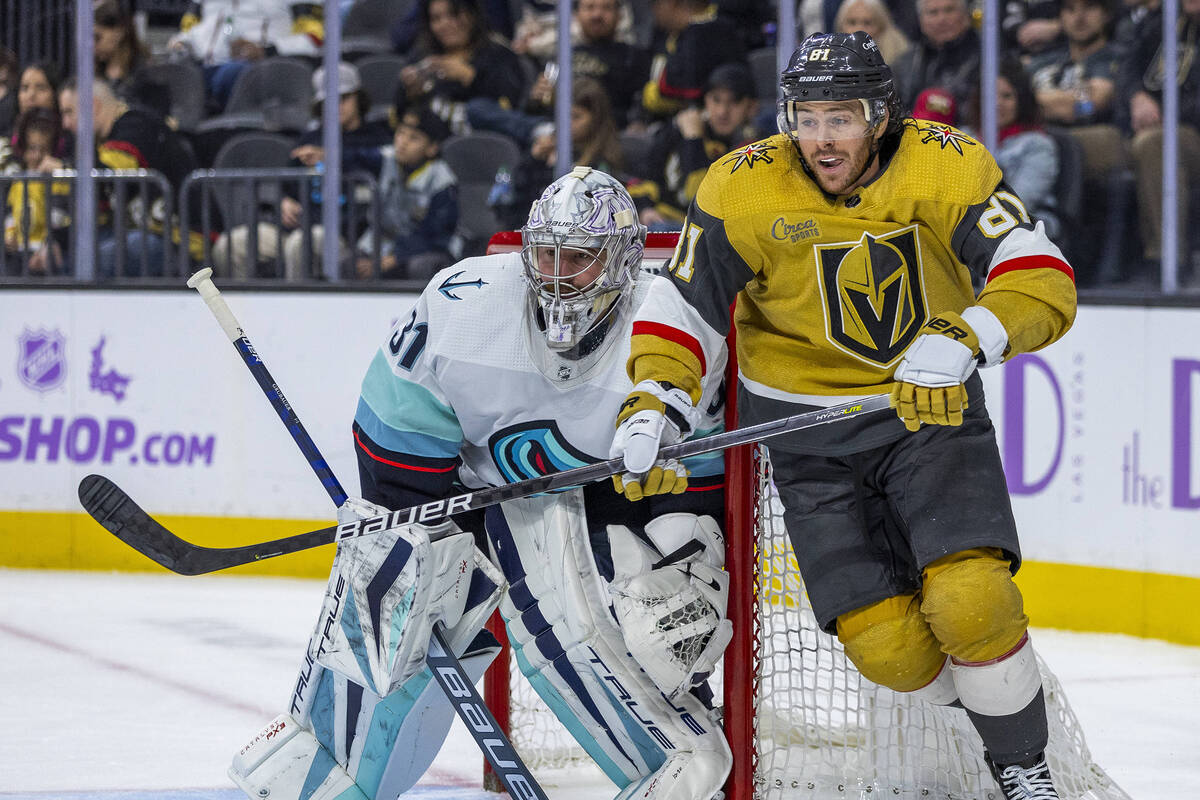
(455, 381)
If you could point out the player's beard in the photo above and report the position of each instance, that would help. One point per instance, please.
(840, 178)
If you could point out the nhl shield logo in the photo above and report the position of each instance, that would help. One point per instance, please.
(873, 292)
(42, 359)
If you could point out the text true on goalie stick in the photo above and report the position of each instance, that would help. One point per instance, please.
(109, 506)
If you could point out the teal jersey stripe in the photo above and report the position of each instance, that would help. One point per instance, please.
(405, 417)
(706, 465)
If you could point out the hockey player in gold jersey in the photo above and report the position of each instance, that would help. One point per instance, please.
(870, 253)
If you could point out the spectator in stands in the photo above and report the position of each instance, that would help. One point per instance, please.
(694, 42)
(32, 212)
(602, 50)
(598, 53)
(119, 51)
(750, 18)
(1027, 155)
(1075, 85)
(407, 30)
(361, 142)
(820, 16)
(936, 105)
(1142, 80)
(131, 138)
(37, 88)
(946, 55)
(10, 68)
(457, 60)
(684, 148)
(1125, 29)
(419, 200)
(1031, 26)
(873, 17)
(226, 36)
(594, 143)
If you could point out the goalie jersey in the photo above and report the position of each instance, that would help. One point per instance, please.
(453, 395)
(831, 291)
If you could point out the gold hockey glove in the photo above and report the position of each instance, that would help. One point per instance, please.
(929, 380)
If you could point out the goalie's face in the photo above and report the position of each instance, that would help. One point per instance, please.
(567, 271)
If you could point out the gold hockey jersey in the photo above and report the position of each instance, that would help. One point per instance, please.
(831, 291)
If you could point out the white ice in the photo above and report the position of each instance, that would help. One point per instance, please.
(135, 686)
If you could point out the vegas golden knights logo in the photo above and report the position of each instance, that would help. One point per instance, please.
(873, 293)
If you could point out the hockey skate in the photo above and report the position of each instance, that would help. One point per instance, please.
(1028, 781)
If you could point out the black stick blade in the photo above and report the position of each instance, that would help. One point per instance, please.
(125, 519)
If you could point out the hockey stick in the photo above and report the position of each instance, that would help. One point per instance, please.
(460, 691)
(114, 509)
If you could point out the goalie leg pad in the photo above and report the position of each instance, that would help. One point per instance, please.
(385, 593)
(670, 599)
(382, 746)
(972, 605)
(891, 644)
(685, 776)
(286, 762)
(568, 646)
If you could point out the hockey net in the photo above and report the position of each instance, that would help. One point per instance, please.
(802, 722)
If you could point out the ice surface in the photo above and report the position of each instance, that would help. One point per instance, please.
(141, 687)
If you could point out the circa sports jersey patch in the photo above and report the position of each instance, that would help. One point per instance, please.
(873, 295)
(532, 449)
(782, 230)
(750, 155)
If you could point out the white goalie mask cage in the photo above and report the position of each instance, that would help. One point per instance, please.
(581, 250)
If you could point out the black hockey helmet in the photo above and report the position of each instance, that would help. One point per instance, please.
(839, 66)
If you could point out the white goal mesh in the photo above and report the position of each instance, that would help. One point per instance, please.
(824, 731)
(821, 730)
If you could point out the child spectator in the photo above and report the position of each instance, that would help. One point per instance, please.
(31, 212)
(419, 198)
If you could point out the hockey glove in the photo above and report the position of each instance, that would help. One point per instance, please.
(655, 414)
(929, 381)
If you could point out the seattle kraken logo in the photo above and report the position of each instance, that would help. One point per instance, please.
(873, 292)
(532, 449)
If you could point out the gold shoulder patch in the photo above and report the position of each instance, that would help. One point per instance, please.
(941, 163)
(750, 155)
(945, 135)
(746, 178)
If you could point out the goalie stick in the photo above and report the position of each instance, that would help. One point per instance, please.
(117, 512)
(457, 686)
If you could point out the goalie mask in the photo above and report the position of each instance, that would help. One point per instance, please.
(582, 248)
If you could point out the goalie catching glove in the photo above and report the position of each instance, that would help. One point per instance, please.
(388, 589)
(654, 415)
(929, 381)
(670, 599)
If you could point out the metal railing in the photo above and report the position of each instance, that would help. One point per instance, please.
(129, 224)
(243, 234)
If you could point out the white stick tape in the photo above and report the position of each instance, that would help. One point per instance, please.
(201, 281)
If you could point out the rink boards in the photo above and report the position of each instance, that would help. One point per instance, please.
(1100, 436)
